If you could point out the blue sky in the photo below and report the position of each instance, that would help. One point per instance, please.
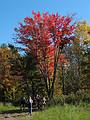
(13, 11)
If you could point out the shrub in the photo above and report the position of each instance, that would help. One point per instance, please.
(81, 97)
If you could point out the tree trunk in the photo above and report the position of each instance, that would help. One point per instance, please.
(63, 91)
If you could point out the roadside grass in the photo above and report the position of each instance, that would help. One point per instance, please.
(7, 108)
(67, 112)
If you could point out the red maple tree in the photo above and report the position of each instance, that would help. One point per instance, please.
(44, 36)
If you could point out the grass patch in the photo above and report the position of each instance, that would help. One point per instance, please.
(62, 113)
(7, 108)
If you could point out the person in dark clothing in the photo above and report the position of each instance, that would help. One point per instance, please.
(22, 103)
(39, 102)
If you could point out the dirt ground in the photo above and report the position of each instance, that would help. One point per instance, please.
(14, 116)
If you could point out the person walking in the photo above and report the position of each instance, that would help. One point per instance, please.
(44, 102)
(22, 102)
(30, 105)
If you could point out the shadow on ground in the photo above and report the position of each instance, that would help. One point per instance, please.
(16, 111)
(13, 111)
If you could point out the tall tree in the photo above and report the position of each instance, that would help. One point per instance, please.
(83, 34)
(5, 66)
(77, 76)
(44, 36)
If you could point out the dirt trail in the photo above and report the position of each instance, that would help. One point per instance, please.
(14, 116)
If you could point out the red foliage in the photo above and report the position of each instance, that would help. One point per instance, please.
(44, 35)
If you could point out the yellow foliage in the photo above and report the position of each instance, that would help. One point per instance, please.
(83, 33)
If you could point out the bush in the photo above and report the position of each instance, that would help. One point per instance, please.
(80, 97)
(59, 100)
(70, 99)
